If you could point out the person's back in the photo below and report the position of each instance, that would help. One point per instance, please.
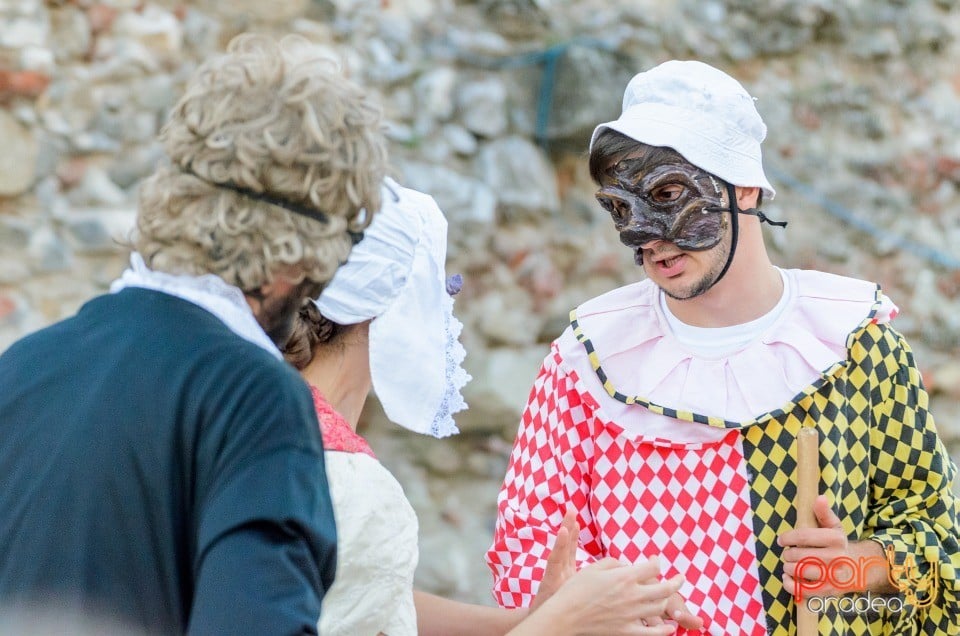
(111, 496)
(158, 462)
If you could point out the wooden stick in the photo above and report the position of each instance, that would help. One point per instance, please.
(808, 488)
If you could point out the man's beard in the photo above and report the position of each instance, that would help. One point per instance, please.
(718, 258)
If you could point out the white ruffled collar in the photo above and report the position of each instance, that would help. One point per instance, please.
(640, 357)
(210, 292)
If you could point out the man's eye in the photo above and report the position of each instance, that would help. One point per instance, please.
(667, 193)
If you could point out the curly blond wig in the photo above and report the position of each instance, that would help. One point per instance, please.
(279, 121)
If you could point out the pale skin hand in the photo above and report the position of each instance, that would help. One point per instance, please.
(438, 616)
(561, 567)
(827, 543)
(606, 598)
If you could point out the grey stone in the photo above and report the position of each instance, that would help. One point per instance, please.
(95, 142)
(520, 174)
(502, 378)
(14, 233)
(26, 27)
(402, 133)
(434, 91)
(56, 123)
(96, 188)
(435, 148)
(126, 59)
(138, 163)
(507, 317)
(878, 44)
(25, 115)
(442, 457)
(454, 535)
(460, 140)
(47, 252)
(401, 104)
(481, 105)
(159, 31)
(155, 94)
(73, 38)
(88, 235)
(201, 32)
(13, 270)
(99, 230)
(478, 42)
(463, 199)
(18, 161)
(384, 66)
(51, 149)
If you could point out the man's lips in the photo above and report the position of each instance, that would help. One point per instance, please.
(658, 259)
(662, 258)
(667, 264)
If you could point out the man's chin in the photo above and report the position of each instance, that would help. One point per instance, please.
(688, 292)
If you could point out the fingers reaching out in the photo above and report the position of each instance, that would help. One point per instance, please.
(608, 597)
(562, 561)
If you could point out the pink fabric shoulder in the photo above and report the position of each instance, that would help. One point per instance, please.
(640, 357)
(336, 431)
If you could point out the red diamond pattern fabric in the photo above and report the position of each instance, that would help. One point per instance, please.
(689, 504)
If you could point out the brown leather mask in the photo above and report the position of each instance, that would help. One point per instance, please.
(674, 202)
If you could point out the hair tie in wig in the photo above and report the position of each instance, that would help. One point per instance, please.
(290, 206)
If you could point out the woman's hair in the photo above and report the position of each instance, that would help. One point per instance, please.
(279, 120)
(310, 330)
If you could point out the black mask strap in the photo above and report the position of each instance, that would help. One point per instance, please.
(290, 206)
(734, 231)
(735, 212)
(763, 217)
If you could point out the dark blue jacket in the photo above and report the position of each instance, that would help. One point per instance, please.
(160, 470)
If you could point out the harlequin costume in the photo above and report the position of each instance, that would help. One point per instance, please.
(664, 453)
(676, 440)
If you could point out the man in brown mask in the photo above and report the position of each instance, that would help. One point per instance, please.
(666, 413)
(658, 199)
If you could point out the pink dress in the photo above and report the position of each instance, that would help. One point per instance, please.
(336, 431)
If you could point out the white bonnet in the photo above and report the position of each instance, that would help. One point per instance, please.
(702, 113)
(396, 276)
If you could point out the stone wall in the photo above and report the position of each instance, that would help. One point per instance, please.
(490, 105)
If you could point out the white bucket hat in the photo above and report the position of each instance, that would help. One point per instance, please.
(702, 113)
(396, 276)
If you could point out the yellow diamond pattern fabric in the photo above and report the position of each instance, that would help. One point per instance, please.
(882, 465)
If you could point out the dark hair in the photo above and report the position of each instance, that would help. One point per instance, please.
(611, 146)
(310, 330)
